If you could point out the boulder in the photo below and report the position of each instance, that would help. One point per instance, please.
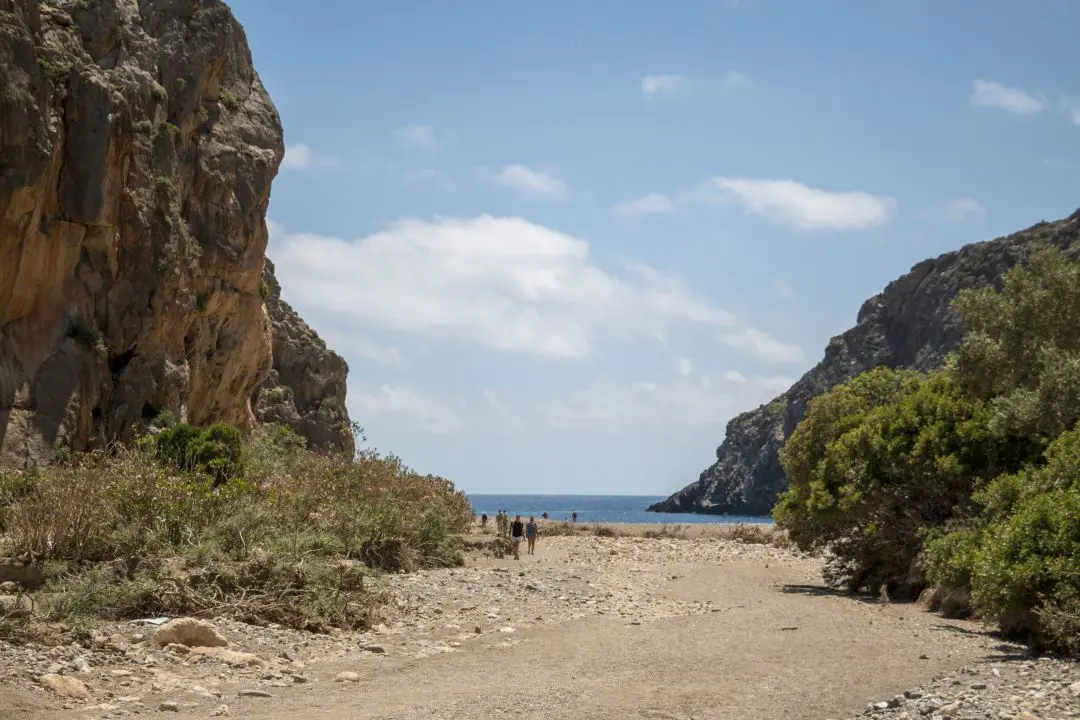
(189, 632)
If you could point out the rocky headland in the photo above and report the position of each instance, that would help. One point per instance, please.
(910, 324)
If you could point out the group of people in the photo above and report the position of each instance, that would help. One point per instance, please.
(515, 531)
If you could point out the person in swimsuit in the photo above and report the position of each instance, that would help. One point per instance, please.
(517, 531)
(531, 530)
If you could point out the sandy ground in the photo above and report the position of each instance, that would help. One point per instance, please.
(589, 627)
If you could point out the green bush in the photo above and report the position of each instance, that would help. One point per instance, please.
(879, 461)
(897, 474)
(214, 451)
(1020, 559)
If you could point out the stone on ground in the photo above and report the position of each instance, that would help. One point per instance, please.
(65, 686)
(189, 632)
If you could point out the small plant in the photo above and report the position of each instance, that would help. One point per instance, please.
(163, 185)
(167, 129)
(53, 69)
(204, 115)
(158, 93)
(200, 302)
(142, 127)
(229, 100)
(264, 289)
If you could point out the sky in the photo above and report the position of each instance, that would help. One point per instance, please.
(562, 243)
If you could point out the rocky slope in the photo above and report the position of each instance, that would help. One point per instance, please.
(137, 149)
(909, 325)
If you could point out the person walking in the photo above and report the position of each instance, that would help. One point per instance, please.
(483, 520)
(531, 531)
(517, 532)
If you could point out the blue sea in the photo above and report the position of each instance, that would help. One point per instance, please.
(598, 508)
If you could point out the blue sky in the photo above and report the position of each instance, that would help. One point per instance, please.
(561, 243)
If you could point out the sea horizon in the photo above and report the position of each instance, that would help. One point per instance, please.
(598, 508)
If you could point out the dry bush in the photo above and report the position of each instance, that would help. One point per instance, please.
(604, 531)
(665, 531)
(288, 540)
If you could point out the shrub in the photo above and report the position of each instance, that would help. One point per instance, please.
(214, 451)
(229, 99)
(878, 462)
(1020, 559)
(289, 538)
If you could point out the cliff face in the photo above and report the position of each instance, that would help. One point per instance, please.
(137, 149)
(909, 325)
(306, 388)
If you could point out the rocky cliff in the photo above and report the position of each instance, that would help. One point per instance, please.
(137, 149)
(909, 325)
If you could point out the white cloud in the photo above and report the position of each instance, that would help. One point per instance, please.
(529, 181)
(664, 85)
(685, 366)
(799, 205)
(762, 346)
(989, 93)
(784, 290)
(963, 208)
(418, 137)
(1072, 107)
(734, 376)
(403, 406)
(501, 283)
(734, 80)
(681, 403)
(649, 204)
(301, 157)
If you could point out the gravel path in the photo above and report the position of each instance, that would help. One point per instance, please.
(588, 628)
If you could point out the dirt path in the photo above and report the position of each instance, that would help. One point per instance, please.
(605, 628)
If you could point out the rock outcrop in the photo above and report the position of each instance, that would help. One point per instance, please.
(306, 388)
(909, 325)
(137, 149)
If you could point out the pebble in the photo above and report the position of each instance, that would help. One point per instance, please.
(169, 706)
(347, 676)
(254, 693)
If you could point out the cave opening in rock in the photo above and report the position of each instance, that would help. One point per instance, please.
(117, 363)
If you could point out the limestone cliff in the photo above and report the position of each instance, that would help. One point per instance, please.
(137, 149)
(909, 325)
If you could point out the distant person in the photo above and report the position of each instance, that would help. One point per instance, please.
(483, 520)
(531, 531)
(500, 521)
(545, 515)
(573, 517)
(517, 532)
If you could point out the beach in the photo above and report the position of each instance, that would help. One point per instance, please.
(599, 623)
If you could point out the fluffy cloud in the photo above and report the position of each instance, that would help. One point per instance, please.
(963, 208)
(681, 403)
(501, 283)
(654, 86)
(799, 205)
(649, 204)
(529, 181)
(762, 345)
(301, 157)
(418, 137)
(403, 406)
(989, 93)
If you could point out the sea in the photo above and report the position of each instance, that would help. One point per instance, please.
(599, 508)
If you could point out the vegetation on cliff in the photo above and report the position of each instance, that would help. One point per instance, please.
(197, 522)
(965, 479)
